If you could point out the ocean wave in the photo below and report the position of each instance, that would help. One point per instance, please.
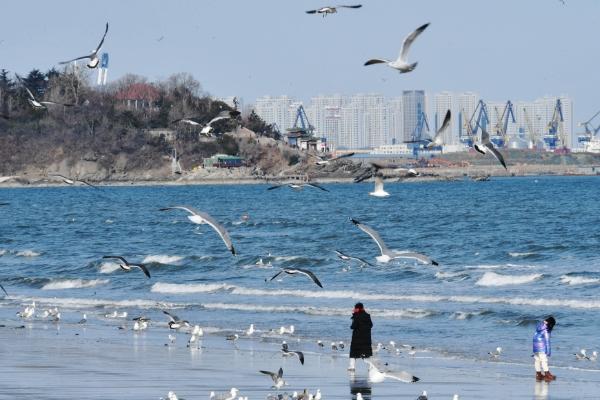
(79, 303)
(494, 279)
(578, 280)
(464, 315)
(523, 254)
(73, 284)
(460, 276)
(320, 311)
(109, 267)
(27, 253)
(2, 252)
(161, 259)
(349, 295)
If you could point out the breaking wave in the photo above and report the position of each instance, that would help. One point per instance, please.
(161, 259)
(73, 284)
(578, 280)
(27, 253)
(494, 279)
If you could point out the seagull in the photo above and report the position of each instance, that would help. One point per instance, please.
(187, 120)
(116, 314)
(277, 378)
(199, 217)
(455, 397)
(197, 331)
(250, 330)
(94, 60)
(298, 186)
(331, 9)
(231, 396)
(175, 322)
(233, 337)
(376, 376)
(38, 105)
(4, 290)
(359, 396)
(70, 181)
(140, 325)
(437, 140)
(226, 114)
(334, 346)
(290, 353)
(172, 338)
(582, 355)
(495, 354)
(594, 356)
(401, 63)
(294, 271)
(27, 311)
(341, 345)
(320, 343)
(127, 266)
(346, 257)
(83, 320)
(324, 161)
(423, 396)
(378, 191)
(487, 146)
(387, 254)
(375, 169)
(290, 331)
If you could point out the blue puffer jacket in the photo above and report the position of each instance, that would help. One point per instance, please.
(541, 339)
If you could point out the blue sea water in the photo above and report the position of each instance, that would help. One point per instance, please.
(511, 251)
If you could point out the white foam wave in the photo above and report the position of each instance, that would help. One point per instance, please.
(577, 280)
(109, 267)
(162, 259)
(494, 279)
(73, 284)
(27, 253)
(484, 266)
(77, 303)
(522, 254)
(183, 288)
(2, 252)
(357, 296)
(464, 315)
(319, 311)
(451, 275)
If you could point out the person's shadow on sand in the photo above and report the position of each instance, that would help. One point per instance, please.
(360, 385)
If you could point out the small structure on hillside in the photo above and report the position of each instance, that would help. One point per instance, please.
(223, 161)
(138, 96)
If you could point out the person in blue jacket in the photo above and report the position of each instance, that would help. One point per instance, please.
(542, 349)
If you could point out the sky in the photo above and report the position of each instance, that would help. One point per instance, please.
(509, 49)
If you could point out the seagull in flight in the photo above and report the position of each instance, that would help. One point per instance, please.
(295, 271)
(291, 353)
(226, 114)
(331, 9)
(199, 217)
(70, 181)
(387, 254)
(175, 322)
(4, 290)
(346, 257)
(438, 139)
(486, 146)
(94, 60)
(401, 64)
(298, 186)
(187, 120)
(325, 161)
(278, 381)
(376, 376)
(39, 105)
(127, 265)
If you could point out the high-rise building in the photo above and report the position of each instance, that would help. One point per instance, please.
(443, 102)
(395, 126)
(276, 110)
(414, 109)
(467, 102)
(324, 114)
(351, 126)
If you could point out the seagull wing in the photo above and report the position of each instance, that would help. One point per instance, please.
(374, 235)
(402, 376)
(497, 154)
(172, 317)
(53, 103)
(87, 183)
(361, 260)
(408, 41)
(6, 293)
(280, 373)
(415, 256)
(276, 275)
(311, 275)
(341, 255)
(143, 268)
(485, 137)
(342, 156)
(354, 6)
(300, 356)
(102, 40)
(311, 12)
(31, 96)
(273, 375)
(75, 59)
(437, 139)
(314, 185)
(275, 187)
(117, 257)
(376, 61)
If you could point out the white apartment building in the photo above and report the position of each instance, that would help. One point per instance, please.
(443, 102)
(276, 110)
(467, 102)
(414, 103)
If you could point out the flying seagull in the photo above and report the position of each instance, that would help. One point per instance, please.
(294, 271)
(299, 186)
(291, 353)
(278, 381)
(437, 140)
(127, 265)
(186, 120)
(487, 146)
(199, 217)
(331, 9)
(175, 322)
(94, 60)
(401, 64)
(226, 114)
(39, 105)
(70, 181)
(324, 161)
(376, 376)
(387, 254)
(4, 290)
(375, 169)
(346, 257)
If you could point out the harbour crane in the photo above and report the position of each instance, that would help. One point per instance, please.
(556, 136)
(501, 127)
(590, 130)
(417, 134)
(532, 134)
(466, 135)
(305, 125)
(482, 119)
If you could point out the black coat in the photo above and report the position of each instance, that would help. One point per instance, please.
(361, 335)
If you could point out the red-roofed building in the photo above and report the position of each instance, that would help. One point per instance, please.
(138, 96)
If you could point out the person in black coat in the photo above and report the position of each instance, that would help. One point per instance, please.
(361, 335)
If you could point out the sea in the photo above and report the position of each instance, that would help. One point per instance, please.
(511, 251)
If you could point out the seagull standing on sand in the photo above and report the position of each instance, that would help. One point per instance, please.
(232, 395)
(296, 271)
(27, 311)
(278, 381)
(423, 396)
(495, 354)
(127, 265)
(438, 139)
(94, 60)
(486, 146)
(250, 330)
(199, 217)
(331, 9)
(401, 64)
(377, 376)
(387, 254)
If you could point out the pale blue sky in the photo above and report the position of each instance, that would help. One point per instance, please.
(511, 49)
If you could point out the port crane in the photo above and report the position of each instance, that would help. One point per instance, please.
(556, 136)
(501, 126)
(304, 126)
(532, 134)
(590, 130)
(417, 134)
(481, 121)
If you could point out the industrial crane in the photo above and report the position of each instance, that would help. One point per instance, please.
(501, 127)
(482, 119)
(590, 130)
(305, 125)
(417, 134)
(532, 135)
(555, 128)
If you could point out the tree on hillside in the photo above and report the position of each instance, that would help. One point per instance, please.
(260, 127)
(7, 91)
